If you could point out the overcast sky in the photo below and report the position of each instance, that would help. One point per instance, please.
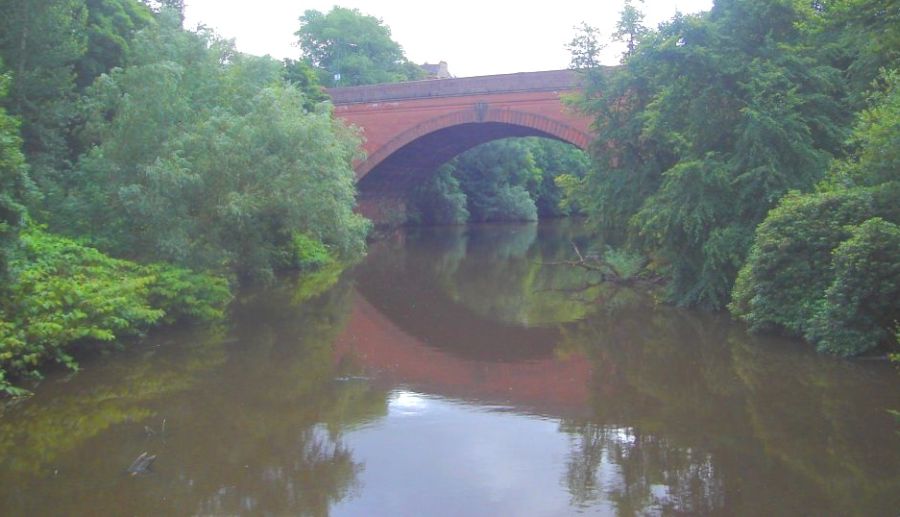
(475, 37)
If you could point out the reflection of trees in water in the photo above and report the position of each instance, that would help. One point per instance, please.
(690, 414)
(638, 472)
(502, 241)
(254, 420)
(62, 417)
(291, 413)
(502, 275)
(321, 474)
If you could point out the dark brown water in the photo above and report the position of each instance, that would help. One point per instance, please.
(455, 373)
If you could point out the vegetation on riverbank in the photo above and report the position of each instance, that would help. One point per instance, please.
(747, 154)
(716, 136)
(147, 169)
(64, 294)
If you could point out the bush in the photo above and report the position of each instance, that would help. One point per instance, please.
(859, 307)
(825, 265)
(440, 199)
(511, 203)
(205, 158)
(64, 294)
(814, 264)
(309, 253)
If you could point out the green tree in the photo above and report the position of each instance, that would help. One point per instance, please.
(440, 200)
(174, 6)
(41, 41)
(824, 265)
(302, 75)
(585, 48)
(511, 179)
(13, 182)
(709, 122)
(205, 157)
(630, 27)
(64, 294)
(356, 47)
(554, 159)
(858, 37)
(497, 179)
(110, 26)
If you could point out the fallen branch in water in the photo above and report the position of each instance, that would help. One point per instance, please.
(607, 271)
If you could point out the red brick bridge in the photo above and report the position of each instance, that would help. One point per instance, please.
(412, 128)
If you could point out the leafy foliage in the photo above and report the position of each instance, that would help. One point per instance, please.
(504, 180)
(110, 27)
(440, 200)
(309, 253)
(12, 184)
(859, 37)
(41, 42)
(630, 28)
(707, 123)
(790, 264)
(864, 298)
(355, 46)
(65, 294)
(205, 158)
(824, 265)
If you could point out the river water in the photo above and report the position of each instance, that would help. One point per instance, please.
(458, 371)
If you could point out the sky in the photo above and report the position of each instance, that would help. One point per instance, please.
(475, 37)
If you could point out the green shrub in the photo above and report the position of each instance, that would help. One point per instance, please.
(822, 267)
(859, 307)
(309, 253)
(440, 200)
(64, 294)
(825, 265)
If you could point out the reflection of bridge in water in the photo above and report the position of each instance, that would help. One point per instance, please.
(541, 383)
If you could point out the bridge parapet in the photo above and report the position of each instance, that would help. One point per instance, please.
(551, 80)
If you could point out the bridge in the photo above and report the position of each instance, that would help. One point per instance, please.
(412, 128)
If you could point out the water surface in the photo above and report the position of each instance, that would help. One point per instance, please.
(457, 371)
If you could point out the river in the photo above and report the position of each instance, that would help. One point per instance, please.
(458, 371)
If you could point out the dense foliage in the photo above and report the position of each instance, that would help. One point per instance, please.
(712, 119)
(349, 48)
(209, 165)
(155, 144)
(825, 265)
(12, 183)
(504, 180)
(707, 123)
(65, 294)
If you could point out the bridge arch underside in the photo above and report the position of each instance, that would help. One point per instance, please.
(397, 171)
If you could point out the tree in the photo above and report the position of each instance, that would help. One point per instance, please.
(302, 75)
(175, 6)
(554, 159)
(585, 48)
(630, 27)
(41, 42)
(110, 26)
(824, 265)
(709, 122)
(858, 37)
(207, 158)
(12, 183)
(497, 179)
(349, 48)
(440, 200)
